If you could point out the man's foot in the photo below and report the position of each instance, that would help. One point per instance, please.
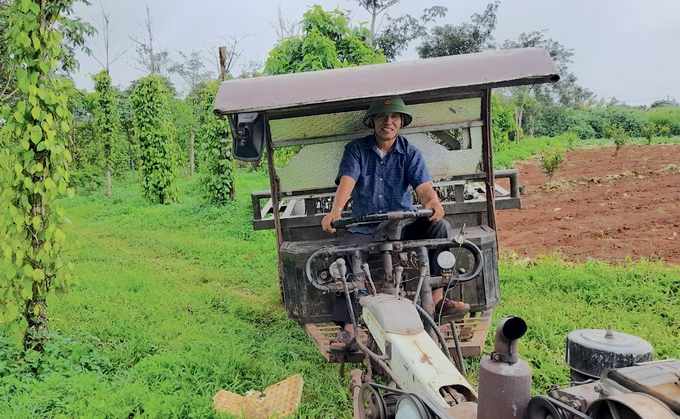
(344, 341)
(453, 310)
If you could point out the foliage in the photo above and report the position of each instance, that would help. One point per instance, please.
(399, 32)
(551, 159)
(565, 92)
(154, 132)
(649, 131)
(217, 167)
(665, 116)
(326, 42)
(33, 174)
(617, 133)
(107, 125)
(463, 39)
(503, 123)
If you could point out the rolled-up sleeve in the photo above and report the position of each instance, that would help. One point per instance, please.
(349, 165)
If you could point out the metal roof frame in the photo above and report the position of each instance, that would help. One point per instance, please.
(352, 88)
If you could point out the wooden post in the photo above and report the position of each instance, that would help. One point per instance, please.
(223, 62)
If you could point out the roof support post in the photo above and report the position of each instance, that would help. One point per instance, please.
(275, 188)
(487, 153)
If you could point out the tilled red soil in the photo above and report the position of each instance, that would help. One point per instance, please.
(599, 206)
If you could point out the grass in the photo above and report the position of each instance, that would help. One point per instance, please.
(179, 301)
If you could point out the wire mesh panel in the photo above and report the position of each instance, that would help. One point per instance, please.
(327, 127)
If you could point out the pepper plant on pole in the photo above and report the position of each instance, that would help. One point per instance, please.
(33, 172)
(154, 132)
(107, 124)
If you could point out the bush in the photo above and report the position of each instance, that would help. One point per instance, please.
(666, 116)
(579, 123)
(551, 121)
(551, 159)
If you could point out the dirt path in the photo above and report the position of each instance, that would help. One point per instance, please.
(599, 206)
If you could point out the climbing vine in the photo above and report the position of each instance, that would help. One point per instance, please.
(33, 173)
(154, 132)
(107, 126)
(217, 170)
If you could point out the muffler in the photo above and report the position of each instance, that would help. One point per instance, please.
(504, 379)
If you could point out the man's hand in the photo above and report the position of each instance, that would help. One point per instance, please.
(429, 200)
(329, 218)
(435, 206)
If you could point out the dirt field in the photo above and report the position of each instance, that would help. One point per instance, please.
(599, 206)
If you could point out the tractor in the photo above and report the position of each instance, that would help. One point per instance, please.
(413, 357)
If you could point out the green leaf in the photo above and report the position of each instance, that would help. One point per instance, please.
(19, 116)
(33, 7)
(36, 112)
(11, 312)
(10, 272)
(36, 135)
(49, 184)
(44, 67)
(26, 293)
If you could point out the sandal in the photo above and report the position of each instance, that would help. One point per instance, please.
(348, 339)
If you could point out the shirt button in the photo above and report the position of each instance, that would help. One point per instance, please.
(381, 179)
(379, 196)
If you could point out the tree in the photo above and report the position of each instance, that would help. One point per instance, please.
(466, 38)
(73, 33)
(150, 58)
(503, 123)
(108, 56)
(326, 42)
(399, 32)
(154, 133)
(33, 169)
(565, 92)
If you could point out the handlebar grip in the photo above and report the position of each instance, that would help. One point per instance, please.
(371, 218)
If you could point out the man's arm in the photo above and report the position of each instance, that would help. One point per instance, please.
(341, 197)
(429, 200)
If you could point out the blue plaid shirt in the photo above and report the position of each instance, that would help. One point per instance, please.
(382, 184)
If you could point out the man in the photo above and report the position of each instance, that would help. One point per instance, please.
(378, 171)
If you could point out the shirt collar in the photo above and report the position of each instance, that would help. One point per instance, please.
(399, 145)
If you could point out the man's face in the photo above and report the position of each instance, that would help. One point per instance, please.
(387, 125)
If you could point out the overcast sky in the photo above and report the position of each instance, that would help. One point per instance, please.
(628, 49)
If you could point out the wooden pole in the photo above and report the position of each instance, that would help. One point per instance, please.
(223, 62)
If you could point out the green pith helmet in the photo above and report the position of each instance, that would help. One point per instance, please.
(394, 104)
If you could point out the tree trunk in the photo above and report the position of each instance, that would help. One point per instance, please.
(108, 180)
(36, 334)
(191, 153)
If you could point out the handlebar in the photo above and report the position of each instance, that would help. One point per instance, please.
(374, 218)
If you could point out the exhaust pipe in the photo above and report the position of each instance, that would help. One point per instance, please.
(504, 379)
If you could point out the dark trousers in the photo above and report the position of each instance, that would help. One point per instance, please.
(420, 229)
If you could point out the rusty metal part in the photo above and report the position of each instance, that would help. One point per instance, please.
(504, 389)
(630, 406)
(504, 379)
(370, 404)
(543, 407)
(658, 379)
